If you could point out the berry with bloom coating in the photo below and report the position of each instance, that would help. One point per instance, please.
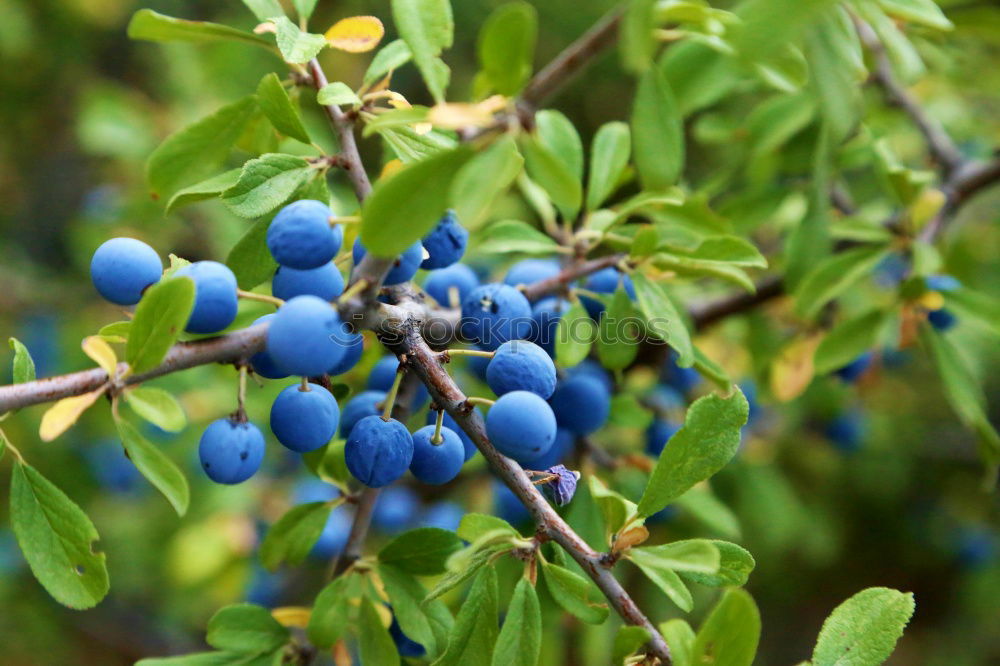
(230, 451)
(657, 435)
(853, 370)
(366, 403)
(354, 346)
(439, 283)
(300, 236)
(445, 244)
(395, 509)
(443, 515)
(436, 463)
(605, 281)
(122, 268)
(261, 362)
(520, 365)
(306, 337)
(382, 376)
(545, 315)
(215, 299)
(448, 422)
(581, 404)
(529, 271)
(561, 448)
(405, 266)
(378, 452)
(495, 313)
(325, 282)
(304, 420)
(592, 368)
(521, 425)
(942, 319)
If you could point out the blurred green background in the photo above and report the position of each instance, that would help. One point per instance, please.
(81, 107)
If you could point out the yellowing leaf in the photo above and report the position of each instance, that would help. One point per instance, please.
(64, 413)
(456, 116)
(292, 616)
(631, 537)
(101, 353)
(391, 167)
(793, 369)
(356, 34)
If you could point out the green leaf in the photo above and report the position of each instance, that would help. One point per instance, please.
(708, 440)
(245, 628)
(297, 46)
(471, 565)
(206, 189)
(657, 132)
(57, 539)
(197, 150)
(155, 27)
(475, 631)
(663, 319)
(710, 512)
(833, 276)
(709, 369)
(250, 260)
(293, 536)
(375, 644)
(423, 551)
(735, 565)
(428, 624)
(728, 250)
(484, 178)
(506, 46)
(158, 469)
(846, 341)
(331, 611)
(410, 146)
(833, 51)
(475, 525)
(574, 593)
(520, 639)
(553, 175)
(507, 236)
(690, 555)
(276, 105)
(924, 12)
(159, 319)
(428, 28)
(264, 10)
(637, 44)
(396, 118)
(387, 227)
(628, 640)
(575, 334)
(864, 629)
(615, 507)
(730, 634)
(23, 365)
(557, 133)
(304, 8)
(976, 308)
(609, 154)
(212, 659)
(265, 183)
(680, 639)
(620, 331)
(390, 57)
(337, 93)
(157, 406)
(664, 578)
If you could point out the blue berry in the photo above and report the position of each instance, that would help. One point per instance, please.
(592, 368)
(477, 365)
(942, 283)
(545, 315)
(382, 376)
(445, 244)
(942, 319)
(443, 515)
(231, 452)
(682, 379)
(519, 365)
(521, 425)
(354, 346)
(657, 435)
(334, 536)
(395, 509)
(262, 362)
(300, 236)
(853, 370)
(122, 268)
(378, 452)
(325, 282)
(304, 420)
(366, 403)
(313, 490)
(846, 431)
(581, 404)
(406, 646)
(506, 505)
(405, 266)
(529, 271)
(665, 398)
(605, 281)
(448, 422)
(214, 296)
(306, 337)
(111, 467)
(439, 283)
(436, 463)
(492, 314)
(562, 447)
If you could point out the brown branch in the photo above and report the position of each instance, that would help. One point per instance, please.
(707, 314)
(965, 183)
(559, 282)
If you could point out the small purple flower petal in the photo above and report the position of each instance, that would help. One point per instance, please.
(561, 488)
